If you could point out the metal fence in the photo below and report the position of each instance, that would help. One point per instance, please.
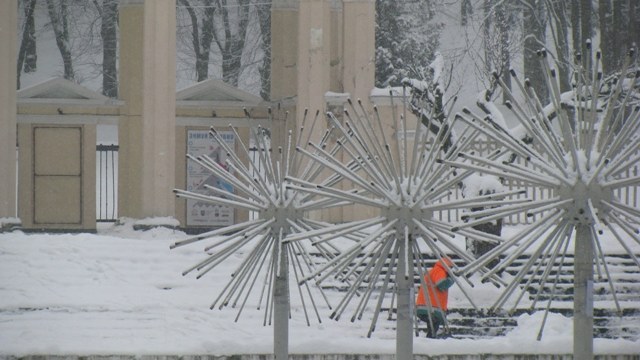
(107, 186)
(107, 183)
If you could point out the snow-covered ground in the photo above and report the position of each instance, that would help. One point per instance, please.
(121, 292)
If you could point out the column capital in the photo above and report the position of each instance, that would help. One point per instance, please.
(285, 4)
(131, 2)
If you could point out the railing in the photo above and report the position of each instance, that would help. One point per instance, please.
(107, 188)
(629, 195)
(106, 183)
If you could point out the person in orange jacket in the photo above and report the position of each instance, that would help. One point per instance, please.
(438, 282)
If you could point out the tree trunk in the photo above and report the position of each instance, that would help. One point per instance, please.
(61, 31)
(607, 36)
(201, 36)
(31, 57)
(575, 26)
(264, 17)
(202, 61)
(486, 33)
(466, 10)
(634, 25)
(534, 21)
(502, 24)
(559, 20)
(108, 32)
(28, 44)
(232, 45)
(620, 28)
(585, 32)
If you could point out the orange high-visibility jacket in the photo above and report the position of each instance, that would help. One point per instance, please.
(436, 276)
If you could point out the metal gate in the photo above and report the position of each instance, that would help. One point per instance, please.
(107, 183)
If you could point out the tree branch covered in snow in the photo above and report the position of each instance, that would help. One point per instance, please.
(402, 48)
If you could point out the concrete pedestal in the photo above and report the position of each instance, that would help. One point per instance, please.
(146, 133)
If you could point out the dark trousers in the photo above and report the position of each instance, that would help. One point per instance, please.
(436, 321)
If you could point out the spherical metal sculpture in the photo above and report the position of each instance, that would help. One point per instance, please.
(583, 145)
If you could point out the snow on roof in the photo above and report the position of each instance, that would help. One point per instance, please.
(215, 91)
(60, 90)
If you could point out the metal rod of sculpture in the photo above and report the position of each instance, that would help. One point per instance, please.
(406, 183)
(585, 165)
(279, 225)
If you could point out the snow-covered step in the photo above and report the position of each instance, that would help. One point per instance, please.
(478, 324)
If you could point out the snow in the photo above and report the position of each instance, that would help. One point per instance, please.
(9, 221)
(388, 91)
(437, 65)
(166, 221)
(120, 292)
(478, 184)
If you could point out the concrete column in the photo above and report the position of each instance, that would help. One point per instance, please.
(284, 74)
(147, 130)
(314, 54)
(335, 60)
(8, 81)
(284, 49)
(359, 67)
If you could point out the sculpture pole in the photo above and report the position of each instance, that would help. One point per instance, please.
(583, 294)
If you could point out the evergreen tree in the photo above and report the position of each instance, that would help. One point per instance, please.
(407, 37)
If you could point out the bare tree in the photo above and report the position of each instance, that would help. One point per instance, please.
(559, 25)
(264, 17)
(215, 31)
(59, 22)
(486, 34)
(201, 34)
(504, 54)
(466, 10)
(499, 29)
(108, 11)
(586, 29)
(27, 55)
(634, 23)
(575, 26)
(31, 57)
(535, 23)
(625, 29)
(230, 37)
(607, 36)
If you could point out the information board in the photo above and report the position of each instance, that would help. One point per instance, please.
(199, 213)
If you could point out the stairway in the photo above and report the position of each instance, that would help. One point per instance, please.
(467, 322)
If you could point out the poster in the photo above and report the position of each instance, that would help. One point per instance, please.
(200, 142)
